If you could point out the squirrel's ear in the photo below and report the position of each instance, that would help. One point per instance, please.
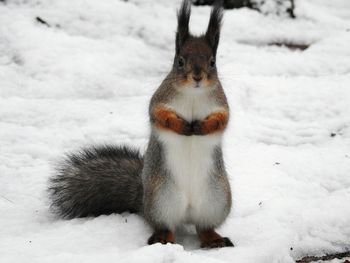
(214, 26)
(183, 19)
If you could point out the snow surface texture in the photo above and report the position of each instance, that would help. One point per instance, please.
(88, 79)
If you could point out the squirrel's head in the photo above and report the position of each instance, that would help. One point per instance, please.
(195, 56)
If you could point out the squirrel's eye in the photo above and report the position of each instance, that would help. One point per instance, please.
(212, 63)
(181, 62)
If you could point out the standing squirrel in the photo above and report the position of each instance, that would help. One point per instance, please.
(182, 177)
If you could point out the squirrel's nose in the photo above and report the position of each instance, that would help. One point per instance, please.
(197, 78)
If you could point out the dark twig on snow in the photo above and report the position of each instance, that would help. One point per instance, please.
(42, 21)
(228, 4)
(233, 4)
(6, 199)
(290, 10)
(308, 259)
(290, 46)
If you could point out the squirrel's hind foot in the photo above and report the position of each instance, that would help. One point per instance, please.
(210, 239)
(217, 243)
(161, 236)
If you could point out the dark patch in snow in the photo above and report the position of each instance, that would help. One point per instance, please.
(42, 21)
(17, 60)
(291, 46)
(324, 258)
(282, 44)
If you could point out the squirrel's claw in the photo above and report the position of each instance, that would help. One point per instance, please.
(211, 239)
(187, 129)
(217, 243)
(197, 127)
(161, 236)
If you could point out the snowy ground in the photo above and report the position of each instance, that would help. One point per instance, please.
(88, 78)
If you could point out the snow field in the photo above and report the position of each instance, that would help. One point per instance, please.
(88, 79)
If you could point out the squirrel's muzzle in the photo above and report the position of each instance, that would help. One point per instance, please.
(197, 73)
(197, 78)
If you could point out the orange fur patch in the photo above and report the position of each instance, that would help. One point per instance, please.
(208, 235)
(215, 122)
(170, 238)
(209, 82)
(168, 120)
(185, 82)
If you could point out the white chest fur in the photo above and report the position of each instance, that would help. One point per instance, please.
(190, 158)
(194, 104)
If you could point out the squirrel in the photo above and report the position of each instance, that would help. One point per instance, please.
(181, 178)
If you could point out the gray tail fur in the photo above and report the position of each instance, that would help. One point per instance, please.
(96, 181)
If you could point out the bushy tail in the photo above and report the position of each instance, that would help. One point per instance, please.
(96, 181)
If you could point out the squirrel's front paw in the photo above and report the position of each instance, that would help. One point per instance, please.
(187, 129)
(197, 127)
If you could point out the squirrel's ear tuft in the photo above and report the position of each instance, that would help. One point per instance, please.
(183, 19)
(214, 26)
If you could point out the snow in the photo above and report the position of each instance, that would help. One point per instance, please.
(88, 79)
